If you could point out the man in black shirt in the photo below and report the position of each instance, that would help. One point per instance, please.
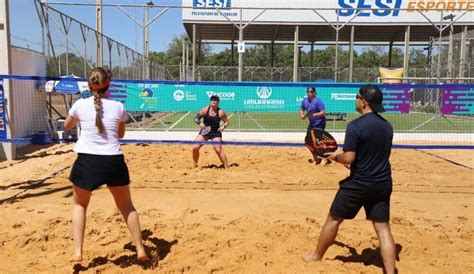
(366, 150)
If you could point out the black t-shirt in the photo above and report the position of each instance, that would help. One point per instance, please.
(370, 136)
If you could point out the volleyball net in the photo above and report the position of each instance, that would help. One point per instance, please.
(260, 113)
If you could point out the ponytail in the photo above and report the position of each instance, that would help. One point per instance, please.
(99, 81)
(98, 109)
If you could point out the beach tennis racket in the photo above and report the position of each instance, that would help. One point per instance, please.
(205, 131)
(320, 142)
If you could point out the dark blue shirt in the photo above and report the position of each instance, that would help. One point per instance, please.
(316, 105)
(370, 136)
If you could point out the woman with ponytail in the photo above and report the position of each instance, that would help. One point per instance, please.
(100, 159)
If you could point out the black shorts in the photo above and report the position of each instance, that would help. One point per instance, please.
(213, 134)
(351, 197)
(91, 171)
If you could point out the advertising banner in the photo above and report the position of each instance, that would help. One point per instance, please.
(258, 97)
(458, 101)
(383, 12)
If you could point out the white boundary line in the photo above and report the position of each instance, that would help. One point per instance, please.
(177, 122)
(293, 136)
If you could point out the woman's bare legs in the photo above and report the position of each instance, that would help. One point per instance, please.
(123, 200)
(80, 201)
(220, 152)
(196, 149)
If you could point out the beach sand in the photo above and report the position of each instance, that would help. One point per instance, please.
(261, 215)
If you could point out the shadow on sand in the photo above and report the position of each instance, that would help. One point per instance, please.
(157, 251)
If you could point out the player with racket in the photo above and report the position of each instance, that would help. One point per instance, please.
(211, 129)
(313, 109)
(367, 147)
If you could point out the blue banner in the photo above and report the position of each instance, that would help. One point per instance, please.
(3, 120)
(255, 97)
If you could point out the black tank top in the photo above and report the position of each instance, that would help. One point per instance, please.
(213, 121)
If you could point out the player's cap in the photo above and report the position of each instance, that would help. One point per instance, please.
(373, 95)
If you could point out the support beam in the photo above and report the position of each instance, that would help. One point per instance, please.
(296, 54)
(351, 53)
(99, 29)
(406, 54)
(311, 55)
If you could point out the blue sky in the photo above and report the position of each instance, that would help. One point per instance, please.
(26, 29)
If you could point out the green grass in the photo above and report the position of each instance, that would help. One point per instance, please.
(281, 122)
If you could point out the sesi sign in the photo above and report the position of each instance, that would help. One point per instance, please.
(350, 7)
(212, 4)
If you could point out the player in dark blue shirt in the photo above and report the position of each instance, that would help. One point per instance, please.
(313, 108)
(366, 150)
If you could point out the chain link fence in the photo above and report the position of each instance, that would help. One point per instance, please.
(275, 52)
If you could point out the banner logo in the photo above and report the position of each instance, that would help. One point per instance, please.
(178, 95)
(223, 96)
(212, 4)
(362, 8)
(343, 96)
(146, 92)
(264, 92)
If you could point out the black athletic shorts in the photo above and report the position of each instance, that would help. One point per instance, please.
(213, 134)
(91, 171)
(352, 196)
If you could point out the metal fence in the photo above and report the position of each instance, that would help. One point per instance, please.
(71, 47)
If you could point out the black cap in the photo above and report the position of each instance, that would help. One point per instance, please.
(373, 95)
(310, 89)
(215, 98)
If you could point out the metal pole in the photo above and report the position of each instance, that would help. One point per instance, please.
(296, 54)
(439, 48)
(337, 47)
(146, 42)
(439, 71)
(450, 50)
(351, 54)
(390, 48)
(183, 61)
(193, 75)
(462, 63)
(406, 55)
(67, 56)
(241, 39)
(187, 57)
(99, 28)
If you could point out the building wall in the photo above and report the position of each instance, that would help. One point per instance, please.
(29, 103)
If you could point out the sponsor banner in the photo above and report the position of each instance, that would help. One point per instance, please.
(253, 98)
(458, 101)
(368, 11)
(3, 121)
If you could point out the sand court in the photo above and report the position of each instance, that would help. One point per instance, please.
(261, 215)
